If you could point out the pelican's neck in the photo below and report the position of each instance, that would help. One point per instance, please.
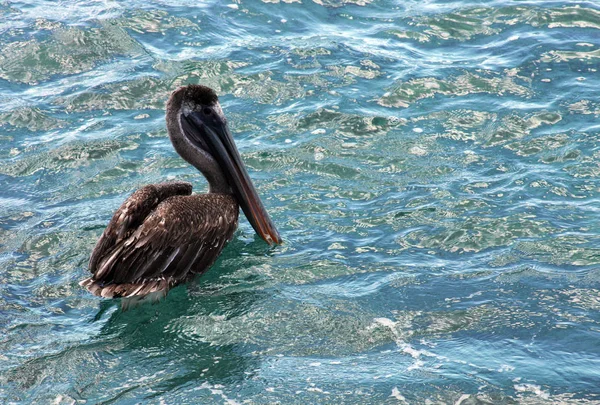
(192, 154)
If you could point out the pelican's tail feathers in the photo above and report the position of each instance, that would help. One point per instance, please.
(133, 294)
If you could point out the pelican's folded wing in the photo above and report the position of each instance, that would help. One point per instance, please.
(131, 214)
(182, 236)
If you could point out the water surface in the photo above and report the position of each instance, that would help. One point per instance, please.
(432, 166)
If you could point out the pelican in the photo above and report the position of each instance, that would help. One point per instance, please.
(162, 235)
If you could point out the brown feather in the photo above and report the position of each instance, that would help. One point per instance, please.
(180, 236)
(132, 213)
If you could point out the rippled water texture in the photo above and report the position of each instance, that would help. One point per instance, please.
(432, 166)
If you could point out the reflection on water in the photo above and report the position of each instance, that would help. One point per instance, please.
(431, 166)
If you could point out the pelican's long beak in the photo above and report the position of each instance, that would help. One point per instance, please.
(209, 127)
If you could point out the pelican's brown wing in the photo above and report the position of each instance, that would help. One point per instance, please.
(131, 214)
(182, 236)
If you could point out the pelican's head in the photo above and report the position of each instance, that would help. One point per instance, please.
(199, 132)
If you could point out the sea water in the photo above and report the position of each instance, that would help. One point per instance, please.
(432, 166)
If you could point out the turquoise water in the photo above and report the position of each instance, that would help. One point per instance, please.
(432, 166)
